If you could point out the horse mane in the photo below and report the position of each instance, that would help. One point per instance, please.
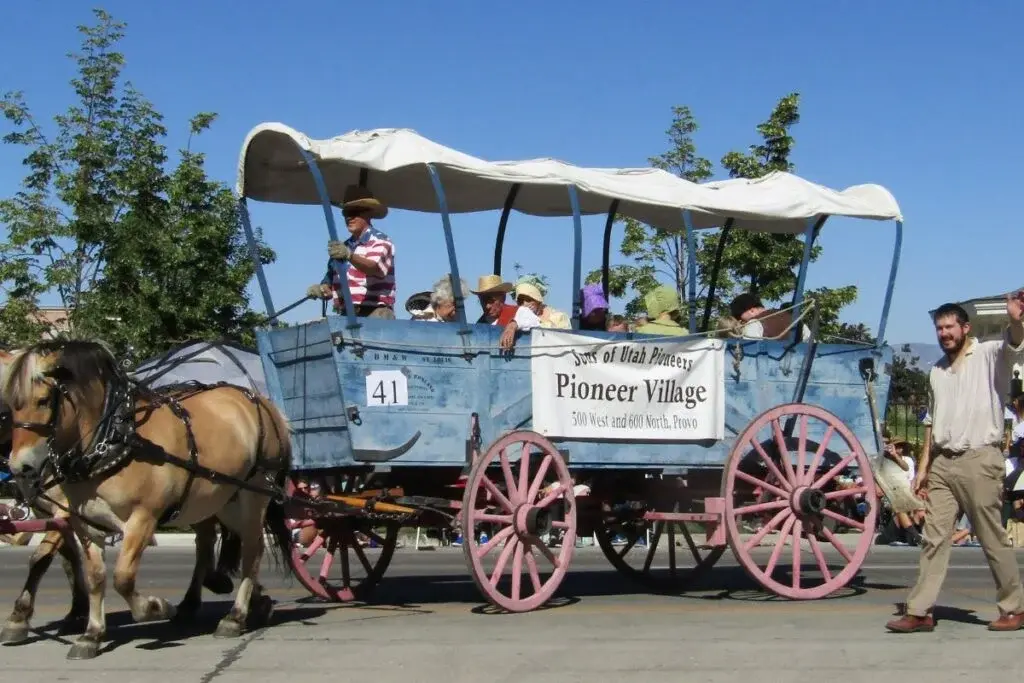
(79, 362)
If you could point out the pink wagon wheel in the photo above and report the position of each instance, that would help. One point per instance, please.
(790, 486)
(516, 505)
(658, 563)
(337, 565)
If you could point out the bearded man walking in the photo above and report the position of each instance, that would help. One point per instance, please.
(961, 465)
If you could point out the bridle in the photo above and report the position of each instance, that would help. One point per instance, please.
(109, 446)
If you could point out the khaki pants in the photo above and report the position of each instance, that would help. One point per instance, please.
(972, 482)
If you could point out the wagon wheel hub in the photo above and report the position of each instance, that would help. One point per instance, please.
(530, 520)
(808, 501)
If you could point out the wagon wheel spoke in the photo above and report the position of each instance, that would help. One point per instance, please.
(523, 488)
(531, 565)
(819, 556)
(762, 507)
(546, 552)
(671, 549)
(847, 493)
(503, 558)
(754, 481)
(691, 543)
(801, 451)
(769, 526)
(496, 492)
(659, 529)
(831, 474)
(843, 519)
(818, 455)
(361, 555)
(837, 544)
(538, 479)
(510, 482)
(798, 528)
(773, 469)
(780, 443)
(779, 545)
(494, 540)
(629, 545)
(517, 570)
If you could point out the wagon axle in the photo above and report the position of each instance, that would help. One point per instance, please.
(809, 501)
(532, 521)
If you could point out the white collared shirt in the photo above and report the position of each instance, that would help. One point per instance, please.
(968, 399)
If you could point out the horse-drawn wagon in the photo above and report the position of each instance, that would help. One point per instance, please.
(407, 423)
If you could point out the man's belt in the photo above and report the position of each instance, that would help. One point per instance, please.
(956, 453)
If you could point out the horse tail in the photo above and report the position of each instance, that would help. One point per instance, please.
(229, 561)
(275, 525)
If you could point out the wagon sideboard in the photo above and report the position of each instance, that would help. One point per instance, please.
(402, 393)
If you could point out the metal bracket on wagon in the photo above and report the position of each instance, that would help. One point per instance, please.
(384, 455)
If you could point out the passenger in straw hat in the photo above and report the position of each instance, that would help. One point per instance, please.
(370, 255)
(532, 312)
(491, 291)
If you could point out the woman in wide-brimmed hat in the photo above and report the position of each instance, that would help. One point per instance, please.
(532, 312)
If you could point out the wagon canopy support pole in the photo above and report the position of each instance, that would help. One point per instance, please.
(332, 230)
(499, 241)
(812, 229)
(449, 240)
(892, 283)
(254, 252)
(691, 268)
(577, 255)
(723, 239)
(613, 210)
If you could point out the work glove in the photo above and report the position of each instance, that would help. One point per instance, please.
(338, 250)
(320, 291)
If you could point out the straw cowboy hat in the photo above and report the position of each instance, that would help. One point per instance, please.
(356, 197)
(486, 284)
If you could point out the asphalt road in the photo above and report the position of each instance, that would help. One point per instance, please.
(427, 623)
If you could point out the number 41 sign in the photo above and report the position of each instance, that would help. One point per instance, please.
(386, 388)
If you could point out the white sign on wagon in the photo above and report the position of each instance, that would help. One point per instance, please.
(584, 387)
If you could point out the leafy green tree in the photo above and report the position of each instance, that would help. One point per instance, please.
(765, 264)
(139, 256)
(656, 254)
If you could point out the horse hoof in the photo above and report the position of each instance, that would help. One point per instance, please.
(219, 584)
(228, 629)
(13, 634)
(186, 610)
(84, 650)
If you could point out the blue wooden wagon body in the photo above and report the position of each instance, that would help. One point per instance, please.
(418, 404)
(317, 373)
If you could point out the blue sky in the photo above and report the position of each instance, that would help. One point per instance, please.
(923, 98)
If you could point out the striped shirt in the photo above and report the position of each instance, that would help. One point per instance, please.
(368, 290)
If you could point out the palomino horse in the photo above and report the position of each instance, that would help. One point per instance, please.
(53, 504)
(130, 459)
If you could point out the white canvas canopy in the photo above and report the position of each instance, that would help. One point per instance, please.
(205, 362)
(272, 169)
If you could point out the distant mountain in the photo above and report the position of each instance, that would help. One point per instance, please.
(927, 353)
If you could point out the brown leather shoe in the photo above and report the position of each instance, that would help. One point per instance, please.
(1007, 622)
(908, 623)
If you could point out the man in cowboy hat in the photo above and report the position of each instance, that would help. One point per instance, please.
(491, 291)
(370, 256)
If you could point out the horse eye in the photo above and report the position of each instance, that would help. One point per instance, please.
(43, 402)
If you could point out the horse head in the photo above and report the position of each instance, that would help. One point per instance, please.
(59, 393)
